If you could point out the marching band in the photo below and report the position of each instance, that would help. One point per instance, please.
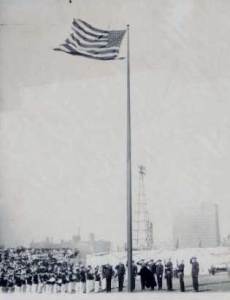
(57, 271)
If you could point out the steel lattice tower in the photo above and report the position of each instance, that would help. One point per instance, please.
(143, 228)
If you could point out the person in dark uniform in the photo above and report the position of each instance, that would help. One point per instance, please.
(180, 273)
(103, 280)
(120, 268)
(152, 267)
(134, 274)
(146, 277)
(142, 274)
(108, 272)
(97, 277)
(195, 273)
(159, 273)
(169, 274)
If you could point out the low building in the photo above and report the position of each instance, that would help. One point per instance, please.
(90, 246)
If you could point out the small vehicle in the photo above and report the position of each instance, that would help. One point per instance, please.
(218, 269)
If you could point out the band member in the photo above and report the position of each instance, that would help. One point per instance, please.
(59, 281)
(36, 281)
(11, 283)
(73, 278)
(23, 280)
(4, 282)
(120, 269)
(45, 280)
(180, 273)
(51, 282)
(169, 274)
(17, 277)
(65, 281)
(78, 280)
(195, 273)
(29, 280)
(83, 279)
(1, 278)
(89, 280)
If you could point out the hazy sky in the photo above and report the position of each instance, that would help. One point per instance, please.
(63, 118)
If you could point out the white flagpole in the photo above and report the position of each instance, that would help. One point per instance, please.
(129, 173)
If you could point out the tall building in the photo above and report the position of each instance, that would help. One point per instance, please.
(197, 227)
(226, 241)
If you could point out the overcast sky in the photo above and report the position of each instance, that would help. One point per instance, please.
(63, 118)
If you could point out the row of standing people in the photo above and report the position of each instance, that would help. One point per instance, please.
(152, 274)
(79, 279)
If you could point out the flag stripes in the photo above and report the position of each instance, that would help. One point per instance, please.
(91, 42)
(93, 28)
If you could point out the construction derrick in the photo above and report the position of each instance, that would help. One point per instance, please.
(143, 227)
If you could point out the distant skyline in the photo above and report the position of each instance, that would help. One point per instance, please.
(63, 118)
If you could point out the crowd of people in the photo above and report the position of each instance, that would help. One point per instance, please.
(58, 271)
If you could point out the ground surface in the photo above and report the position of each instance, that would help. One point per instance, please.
(219, 282)
(125, 296)
(211, 287)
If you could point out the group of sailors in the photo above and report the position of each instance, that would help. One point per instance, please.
(153, 273)
(55, 272)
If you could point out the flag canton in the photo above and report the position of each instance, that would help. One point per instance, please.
(115, 38)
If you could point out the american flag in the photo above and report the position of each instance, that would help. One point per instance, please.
(91, 42)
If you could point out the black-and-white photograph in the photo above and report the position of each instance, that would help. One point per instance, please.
(115, 149)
